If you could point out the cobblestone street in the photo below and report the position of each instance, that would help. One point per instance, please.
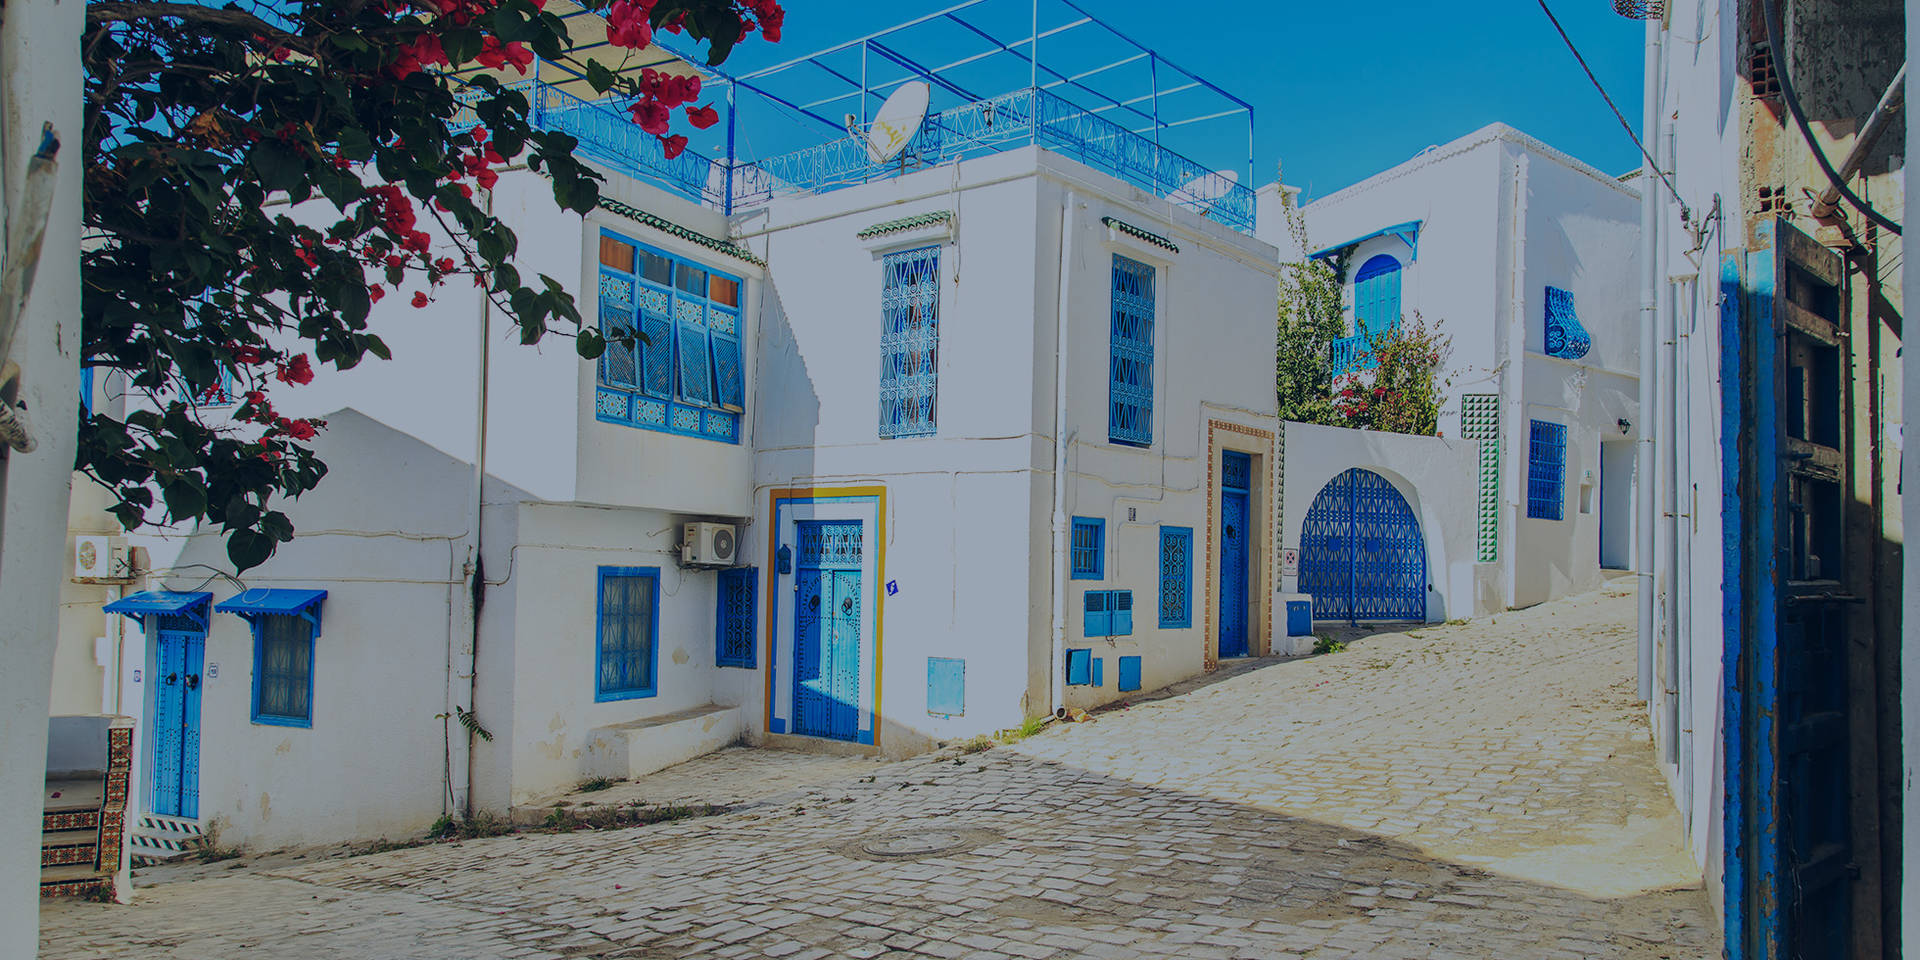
(1482, 790)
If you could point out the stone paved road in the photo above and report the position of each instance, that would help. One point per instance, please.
(1480, 791)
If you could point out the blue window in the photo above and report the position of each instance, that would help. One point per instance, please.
(629, 620)
(1376, 296)
(909, 342)
(1129, 673)
(1547, 471)
(1130, 358)
(673, 361)
(1088, 552)
(1176, 576)
(734, 620)
(1107, 613)
(283, 670)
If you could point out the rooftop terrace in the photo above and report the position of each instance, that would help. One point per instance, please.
(1004, 74)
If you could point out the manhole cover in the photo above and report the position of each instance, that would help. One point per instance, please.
(916, 844)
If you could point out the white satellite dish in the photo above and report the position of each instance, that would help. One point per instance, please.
(898, 121)
(1206, 189)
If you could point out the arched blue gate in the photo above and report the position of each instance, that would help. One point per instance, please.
(1361, 554)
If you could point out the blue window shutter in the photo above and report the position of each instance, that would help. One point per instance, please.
(283, 670)
(1130, 356)
(1176, 576)
(735, 640)
(1122, 603)
(1096, 621)
(946, 687)
(909, 342)
(1129, 673)
(1079, 667)
(1376, 296)
(696, 369)
(1547, 471)
(625, 638)
(728, 376)
(657, 368)
(1099, 671)
(619, 365)
(1089, 548)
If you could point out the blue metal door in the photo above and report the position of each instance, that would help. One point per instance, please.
(176, 725)
(1236, 477)
(826, 683)
(1361, 553)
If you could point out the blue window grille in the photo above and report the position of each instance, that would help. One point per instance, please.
(674, 361)
(1566, 338)
(1107, 613)
(1079, 667)
(283, 670)
(1129, 673)
(1376, 296)
(629, 620)
(1547, 471)
(1089, 548)
(909, 342)
(1130, 358)
(735, 618)
(946, 687)
(1176, 576)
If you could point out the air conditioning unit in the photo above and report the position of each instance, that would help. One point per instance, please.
(709, 544)
(101, 558)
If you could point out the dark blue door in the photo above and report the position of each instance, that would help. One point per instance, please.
(176, 725)
(1361, 553)
(1236, 478)
(826, 691)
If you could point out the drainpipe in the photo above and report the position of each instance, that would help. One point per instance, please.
(464, 679)
(1877, 123)
(1057, 662)
(1643, 486)
(1683, 547)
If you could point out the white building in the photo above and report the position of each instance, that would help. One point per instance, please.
(1525, 257)
(985, 437)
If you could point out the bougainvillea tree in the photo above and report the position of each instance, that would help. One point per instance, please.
(1399, 384)
(206, 124)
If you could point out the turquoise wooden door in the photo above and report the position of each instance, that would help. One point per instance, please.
(176, 722)
(826, 617)
(1235, 483)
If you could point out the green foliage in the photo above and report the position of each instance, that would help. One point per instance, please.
(1403, 389)
(482, 824)
(1310, 320)
(1027, 728)
(594, 784)
(204, 126)
(1327, 644)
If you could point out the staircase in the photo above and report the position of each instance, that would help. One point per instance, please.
(83, 808)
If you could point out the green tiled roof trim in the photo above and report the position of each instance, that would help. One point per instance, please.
(906, 223)
(666, 226)
(1139, 234)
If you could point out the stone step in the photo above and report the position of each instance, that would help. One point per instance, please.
(157, 839)
(74, 880)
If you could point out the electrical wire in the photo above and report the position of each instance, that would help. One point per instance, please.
(1624, 125)
(1806, 131)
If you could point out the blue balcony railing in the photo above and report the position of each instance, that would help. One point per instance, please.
(1350, 355)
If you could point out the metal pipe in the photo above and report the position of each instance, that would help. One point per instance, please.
(464, 659)
(1643, 485)
(1057, 663)
(1683, 564)
(1877, 123)
(1666, 549)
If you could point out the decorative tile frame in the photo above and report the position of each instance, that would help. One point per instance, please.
(1209, 644)
(1480, 420)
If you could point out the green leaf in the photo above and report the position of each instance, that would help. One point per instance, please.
(599, 77)
(590, 344)
(248, 549)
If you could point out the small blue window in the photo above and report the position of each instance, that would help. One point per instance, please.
(1176, 576)
(1376, 296)
(1130, 357)
(946, 687)
(1089, 548)
(629, 620)
(734, 621)
(909, 342)
(1107, 613)
(1079, 667)
(1129, 673)
(283, 670)
(1547, 471)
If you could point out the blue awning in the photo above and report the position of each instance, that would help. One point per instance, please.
(1409, 233)
(149, 603)
(253, 603)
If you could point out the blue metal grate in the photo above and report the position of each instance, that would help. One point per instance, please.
(734, 621)
(831, 545)
(1176, 577)
(1566, 338)
(1130, 363)
(1236, 471)
(1362, 555)
(909, 342)
(1547, 471)
(1089, 543)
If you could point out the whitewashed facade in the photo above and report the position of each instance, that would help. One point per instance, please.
(1479, 235)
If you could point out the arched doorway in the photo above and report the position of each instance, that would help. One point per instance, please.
(1361, 553)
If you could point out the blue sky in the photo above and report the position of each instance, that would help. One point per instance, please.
(1340, 90)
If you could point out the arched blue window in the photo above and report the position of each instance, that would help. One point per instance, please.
(1376, 296)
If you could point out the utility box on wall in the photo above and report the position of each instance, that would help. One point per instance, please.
(1298, 611)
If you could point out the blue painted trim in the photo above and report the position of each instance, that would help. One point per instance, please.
(1182, 537)
(259, 657)
(864, 737)
(1409, 234)
(1764, 576)
(776, 725)
(652, 575)
(1733, 639)
(1096, 528)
